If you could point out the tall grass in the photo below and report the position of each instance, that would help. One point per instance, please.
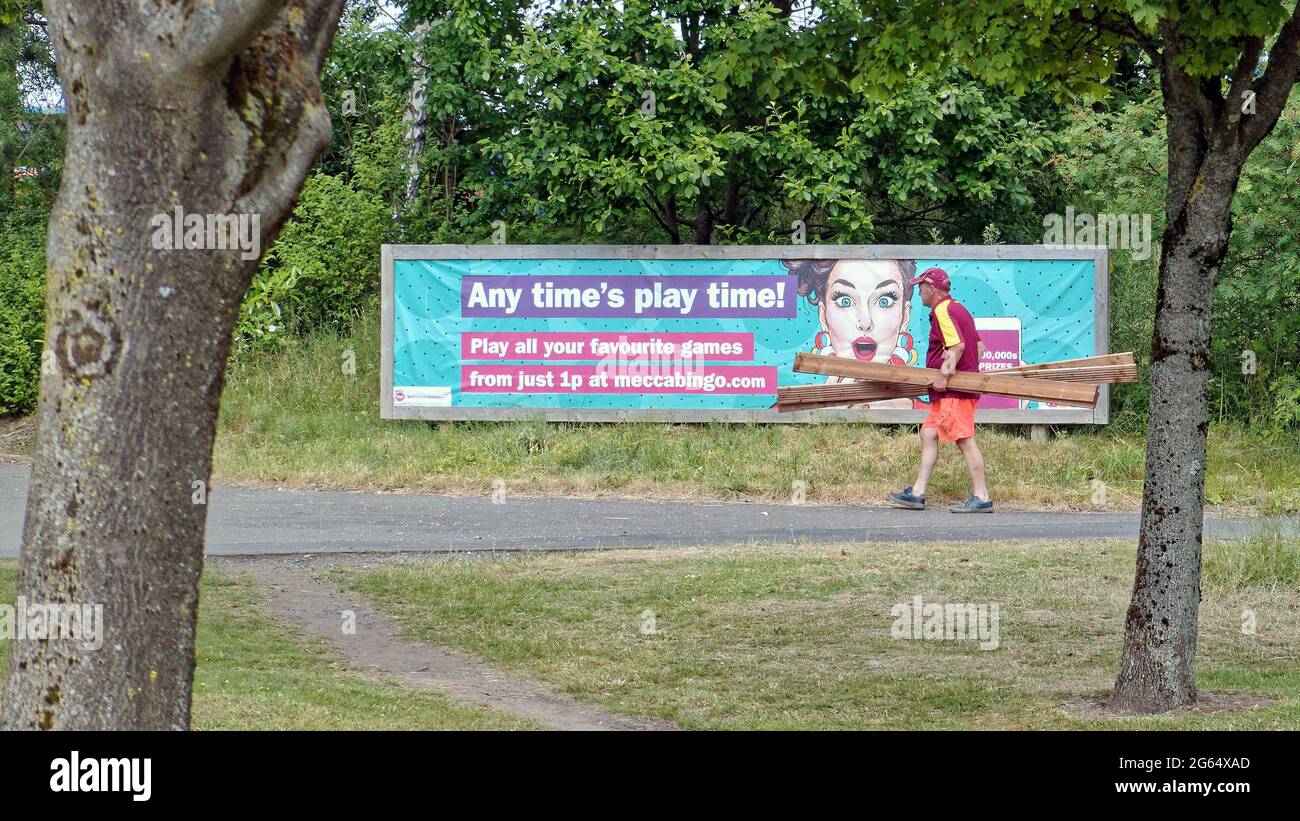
(295, 417)
(1267, 560)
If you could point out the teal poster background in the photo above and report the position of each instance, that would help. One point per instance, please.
(1053, 300)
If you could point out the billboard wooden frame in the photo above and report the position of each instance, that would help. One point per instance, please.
(1099, 255)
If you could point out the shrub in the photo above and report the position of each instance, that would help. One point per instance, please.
(22, 313)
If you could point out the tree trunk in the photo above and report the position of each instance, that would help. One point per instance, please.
(731, 208)
(417, 122)
(670, 220)
(11, 102)
(1211, 136)
(1157, 672)
(214, 110)
(703, 222)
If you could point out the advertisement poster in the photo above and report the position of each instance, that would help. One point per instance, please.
(704, 338)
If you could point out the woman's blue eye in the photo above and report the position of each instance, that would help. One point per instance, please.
(885, 301)
(844, 302)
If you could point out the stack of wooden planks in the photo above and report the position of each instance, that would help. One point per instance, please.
(1066, 382)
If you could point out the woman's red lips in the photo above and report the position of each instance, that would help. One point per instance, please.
(864, 347)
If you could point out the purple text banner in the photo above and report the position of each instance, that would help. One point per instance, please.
(759, 297)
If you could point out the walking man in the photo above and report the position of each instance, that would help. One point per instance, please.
(954, 346)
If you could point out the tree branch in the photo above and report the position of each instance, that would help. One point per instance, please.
(214, 32)
(1191, 121)
(1184, 88)
(1122, 27)
(266, 75)
(1274, 87)
(655, 207)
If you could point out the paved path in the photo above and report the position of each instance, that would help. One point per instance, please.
(246, 521)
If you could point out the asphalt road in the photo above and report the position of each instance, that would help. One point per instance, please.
(246, 521)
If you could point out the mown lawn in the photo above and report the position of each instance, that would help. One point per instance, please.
(799, 635)
(255, 674)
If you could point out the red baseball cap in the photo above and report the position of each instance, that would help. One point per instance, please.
(936, 277)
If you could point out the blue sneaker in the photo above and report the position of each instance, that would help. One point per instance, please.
(905, 498)
(973, 505)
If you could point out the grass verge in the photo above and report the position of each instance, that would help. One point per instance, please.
(293, 418)
(255, 674)
(799, 635)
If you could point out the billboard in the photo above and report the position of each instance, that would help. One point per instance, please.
(698, 333)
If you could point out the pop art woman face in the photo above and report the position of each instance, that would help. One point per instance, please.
(863, 308)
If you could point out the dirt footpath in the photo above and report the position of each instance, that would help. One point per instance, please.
(377, 645)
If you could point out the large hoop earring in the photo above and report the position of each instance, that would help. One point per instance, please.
(904, 354)
(817, 340)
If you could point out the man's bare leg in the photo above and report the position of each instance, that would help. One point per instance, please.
(975, 464)
(929, 455)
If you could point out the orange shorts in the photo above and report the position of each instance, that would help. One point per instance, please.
(953, 417)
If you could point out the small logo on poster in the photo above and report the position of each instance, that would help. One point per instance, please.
(437, 396)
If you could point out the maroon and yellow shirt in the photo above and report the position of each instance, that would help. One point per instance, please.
(951, 324)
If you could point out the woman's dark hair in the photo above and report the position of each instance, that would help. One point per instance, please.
(814, 273)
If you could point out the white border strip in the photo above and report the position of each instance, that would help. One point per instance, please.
(1098, 415)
